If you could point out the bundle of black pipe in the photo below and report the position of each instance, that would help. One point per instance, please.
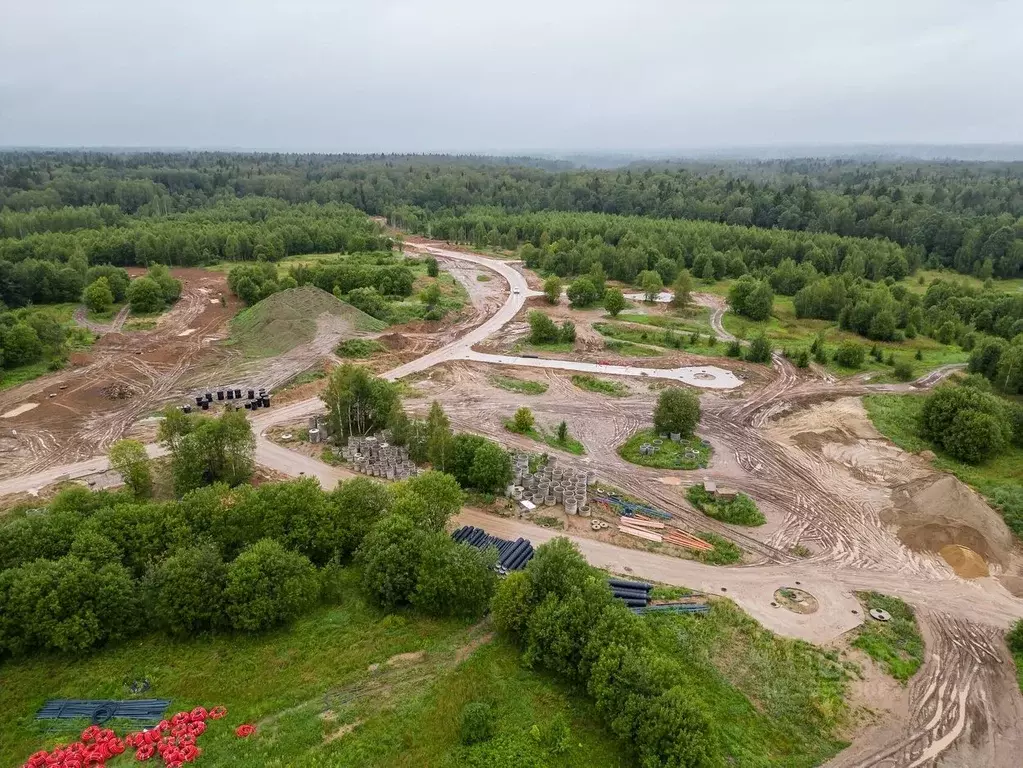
(635, 594)
(512, 555)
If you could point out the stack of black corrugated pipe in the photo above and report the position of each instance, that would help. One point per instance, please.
(512, 555)
(635, 594)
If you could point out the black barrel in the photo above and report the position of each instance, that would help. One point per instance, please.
(237, 394)
(209, 397)
(230, 394)
(205, 406)
(220, 394)
(252, 394)
(186, 409)
(198, 399)
(248, 406)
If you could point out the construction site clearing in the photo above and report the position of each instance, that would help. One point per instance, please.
(846, 510)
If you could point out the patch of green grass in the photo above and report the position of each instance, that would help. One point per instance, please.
(670, 455)
(522, 386)
(999, 479)
(139, 324)
(313, 374)
(285, 681)
(600, 386)
(896, 645)
(695, 318)
(739, 511)
(103, 317)
(669, 338)
(724, 552)
(774, 702)
(546, 521)
(482, 278)
(14, 377)
(629, 349)
(569, 444)
(669, 593)
(912, 282)
(359, 348)
(555, 346)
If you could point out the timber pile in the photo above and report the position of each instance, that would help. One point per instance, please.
(682, 539)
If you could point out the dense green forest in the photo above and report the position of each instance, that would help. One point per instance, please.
(964, 216)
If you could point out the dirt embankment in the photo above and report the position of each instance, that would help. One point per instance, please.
(940, 514)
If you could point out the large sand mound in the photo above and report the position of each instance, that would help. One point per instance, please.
(938, 511)
(288, 319)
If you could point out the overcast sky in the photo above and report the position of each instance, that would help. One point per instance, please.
(516, 75)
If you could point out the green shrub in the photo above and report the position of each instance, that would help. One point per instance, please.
(268, 585)
(476, 723)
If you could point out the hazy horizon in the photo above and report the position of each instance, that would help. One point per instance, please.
(665, 79)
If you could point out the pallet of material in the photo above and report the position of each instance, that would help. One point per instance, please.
(640, 533)
(637, 522)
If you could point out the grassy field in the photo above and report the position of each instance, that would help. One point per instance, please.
(287, 319)
(522, 386)
(775, 702)
(668, 338)
(670, 455)
(600, 386)
(790, 332)
(695, 318)
(302, 686)
(896, 645)
(629, 349)
(13, 377)
(359, 348)
(999, 479)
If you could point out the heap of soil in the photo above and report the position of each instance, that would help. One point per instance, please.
(938, 511)
(964, 561)
(394, 341)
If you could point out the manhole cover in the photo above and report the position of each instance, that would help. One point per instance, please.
(877, 613)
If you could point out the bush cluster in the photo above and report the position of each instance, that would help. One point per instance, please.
(968, 423)
(94, 567)
(563, 614)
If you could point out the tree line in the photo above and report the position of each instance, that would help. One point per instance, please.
(963, 216)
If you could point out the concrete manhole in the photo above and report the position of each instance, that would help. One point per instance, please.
(879, 615)
(796, 600)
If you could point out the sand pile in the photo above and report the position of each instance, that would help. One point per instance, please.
(964, 561)
(938, 511)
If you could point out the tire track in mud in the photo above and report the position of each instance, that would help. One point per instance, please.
(964, 710)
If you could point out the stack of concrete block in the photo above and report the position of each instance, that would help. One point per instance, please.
(552, 484)
(375, 457)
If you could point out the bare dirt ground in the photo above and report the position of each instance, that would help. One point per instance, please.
(124, 377)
